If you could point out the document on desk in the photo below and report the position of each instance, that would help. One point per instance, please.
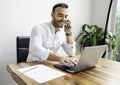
(41, 73)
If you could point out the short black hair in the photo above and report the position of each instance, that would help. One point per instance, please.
(59, 5)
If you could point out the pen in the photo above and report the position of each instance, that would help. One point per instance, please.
(29, 69)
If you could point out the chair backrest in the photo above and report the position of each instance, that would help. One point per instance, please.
(22, 48)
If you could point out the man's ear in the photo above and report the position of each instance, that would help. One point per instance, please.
(52, 14)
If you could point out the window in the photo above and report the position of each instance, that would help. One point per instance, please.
(116, 52)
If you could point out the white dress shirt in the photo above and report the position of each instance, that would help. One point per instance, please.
(43, 40)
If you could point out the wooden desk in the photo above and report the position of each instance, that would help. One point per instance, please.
(107, 72)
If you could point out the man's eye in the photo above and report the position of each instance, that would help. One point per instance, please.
(66, 16)
(59, 15)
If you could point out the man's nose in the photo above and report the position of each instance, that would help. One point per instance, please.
(63, 19)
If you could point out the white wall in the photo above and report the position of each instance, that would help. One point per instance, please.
(17, 18)
(99, 12)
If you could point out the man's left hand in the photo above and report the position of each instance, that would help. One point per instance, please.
(67, 26)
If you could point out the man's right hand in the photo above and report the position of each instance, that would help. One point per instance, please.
(66, 61)
(62, 60)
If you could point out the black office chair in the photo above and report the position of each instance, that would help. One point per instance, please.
(22, 48)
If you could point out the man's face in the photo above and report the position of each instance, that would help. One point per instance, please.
(59, 17)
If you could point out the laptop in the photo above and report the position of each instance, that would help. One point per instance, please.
(89, 58)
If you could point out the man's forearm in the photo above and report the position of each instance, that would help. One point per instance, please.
(53, 56)
(69, 39)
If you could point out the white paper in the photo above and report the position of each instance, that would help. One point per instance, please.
(41, 73)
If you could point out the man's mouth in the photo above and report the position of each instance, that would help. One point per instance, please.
(62, 23)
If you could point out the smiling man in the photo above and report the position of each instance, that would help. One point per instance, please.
(47, 38)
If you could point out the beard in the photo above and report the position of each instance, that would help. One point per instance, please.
(58, 23)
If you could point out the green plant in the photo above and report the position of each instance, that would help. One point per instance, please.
(92, 35)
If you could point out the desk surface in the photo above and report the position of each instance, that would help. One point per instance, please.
(107, 72)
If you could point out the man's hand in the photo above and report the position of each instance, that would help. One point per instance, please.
(68, 31)
(66, 61)
(62, 60)
(68, 27)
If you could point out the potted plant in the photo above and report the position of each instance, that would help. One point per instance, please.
(92, 35)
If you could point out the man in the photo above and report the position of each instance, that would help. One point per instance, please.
(47, 38)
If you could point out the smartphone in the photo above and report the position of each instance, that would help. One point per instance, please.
(66, 25)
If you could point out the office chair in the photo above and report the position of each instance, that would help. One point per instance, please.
(22, 48)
